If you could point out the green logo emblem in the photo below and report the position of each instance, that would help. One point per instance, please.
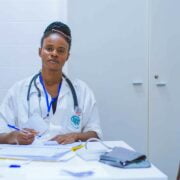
(75, 121)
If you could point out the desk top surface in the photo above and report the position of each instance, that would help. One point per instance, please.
(72, 162)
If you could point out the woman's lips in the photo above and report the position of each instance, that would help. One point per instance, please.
(53, 61)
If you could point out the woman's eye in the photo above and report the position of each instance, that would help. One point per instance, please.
(61, 51)
(49, 48)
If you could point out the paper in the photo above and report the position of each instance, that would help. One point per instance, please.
(40, 143)
(33, 153)
(37, 123)
(85, 170)
(90, 155)
(77, 173)
(24, 151)
(39, 151)
(50, 143)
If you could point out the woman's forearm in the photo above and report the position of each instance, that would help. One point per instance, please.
(86, 135)
(4, 138)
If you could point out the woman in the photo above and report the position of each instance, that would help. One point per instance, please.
(44, 106)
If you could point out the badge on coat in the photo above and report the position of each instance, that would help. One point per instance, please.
(75, 121)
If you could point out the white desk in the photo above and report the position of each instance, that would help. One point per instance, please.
(37, 170)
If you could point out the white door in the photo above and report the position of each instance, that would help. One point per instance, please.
(110, 52)
(164, 141)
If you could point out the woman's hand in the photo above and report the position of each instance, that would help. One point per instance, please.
(25, 136)
(66, 138)
(73, 137)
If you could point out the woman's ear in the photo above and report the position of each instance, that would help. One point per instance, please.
(40, 51)
(68, 56)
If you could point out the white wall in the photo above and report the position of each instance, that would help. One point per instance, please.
(109, 52)
(22, 23)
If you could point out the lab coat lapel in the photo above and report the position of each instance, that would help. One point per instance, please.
(64, 89)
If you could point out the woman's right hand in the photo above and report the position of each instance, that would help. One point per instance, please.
(21, 137)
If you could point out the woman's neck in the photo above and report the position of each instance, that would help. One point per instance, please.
(51, 78)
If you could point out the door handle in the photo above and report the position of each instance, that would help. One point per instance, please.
(160, 84)
(137, 83)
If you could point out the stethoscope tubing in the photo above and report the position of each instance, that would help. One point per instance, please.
(33, 80)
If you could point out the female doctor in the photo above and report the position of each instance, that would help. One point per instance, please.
(48, 106)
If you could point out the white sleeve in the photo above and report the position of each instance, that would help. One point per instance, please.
(91, 121)
(7, 112)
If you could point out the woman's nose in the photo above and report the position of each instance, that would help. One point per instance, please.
(54, 53)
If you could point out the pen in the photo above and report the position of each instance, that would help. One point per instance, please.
(14, 166)
(17, 129)
(11, 165)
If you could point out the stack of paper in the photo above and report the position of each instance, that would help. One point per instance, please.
(44, 153)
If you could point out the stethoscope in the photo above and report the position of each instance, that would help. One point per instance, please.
(77, 110)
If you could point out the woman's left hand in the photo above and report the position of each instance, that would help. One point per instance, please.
(66, 138)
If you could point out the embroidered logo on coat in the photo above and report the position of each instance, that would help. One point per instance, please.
(75, 121)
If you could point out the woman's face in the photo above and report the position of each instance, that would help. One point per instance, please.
(54, 52)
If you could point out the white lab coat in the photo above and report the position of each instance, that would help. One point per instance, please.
(14, 110)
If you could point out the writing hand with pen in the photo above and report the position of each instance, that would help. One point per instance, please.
(23, 136)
